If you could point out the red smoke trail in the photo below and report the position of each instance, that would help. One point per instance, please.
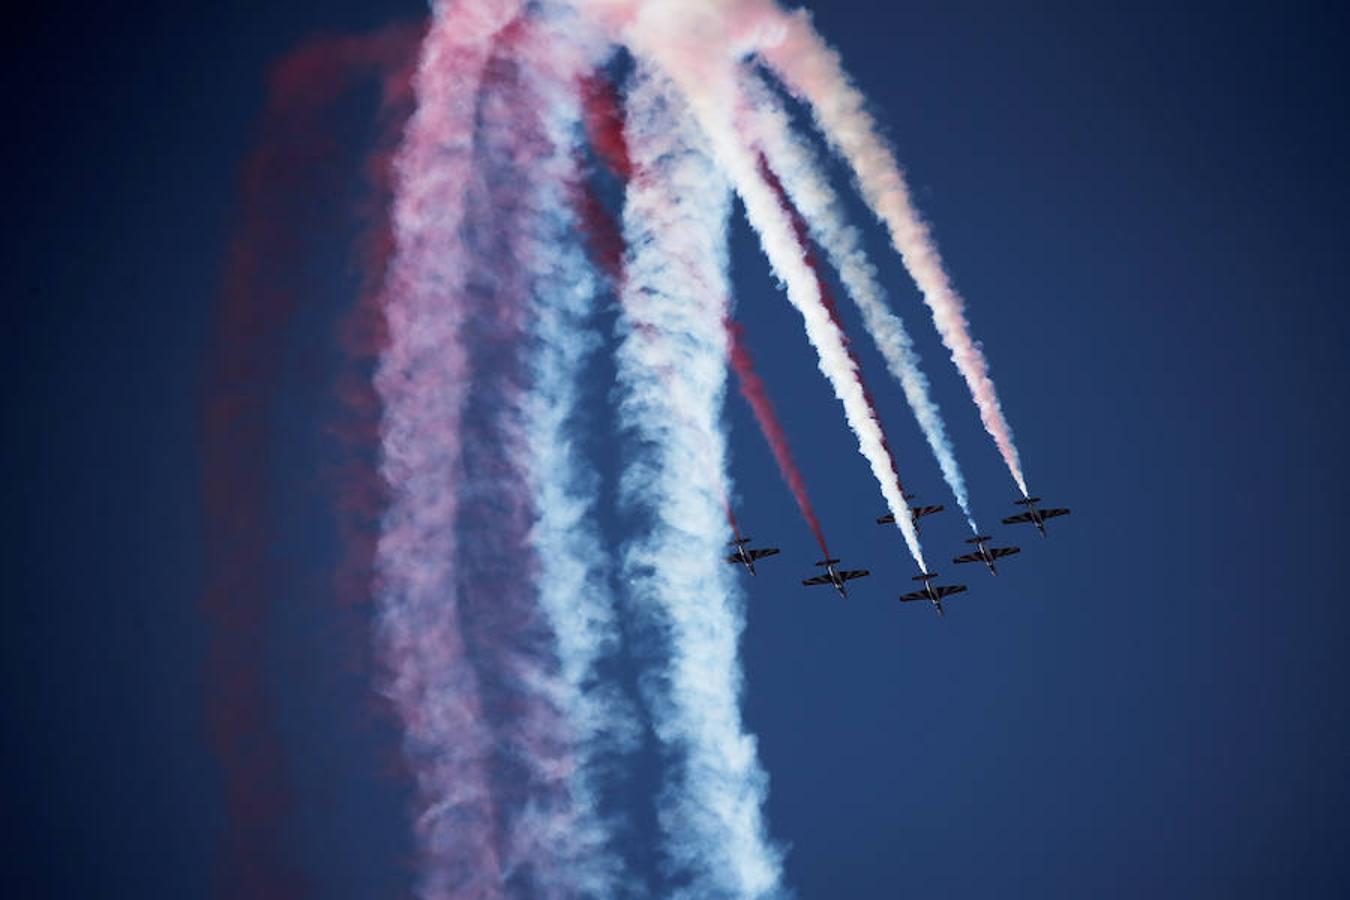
(731, 520)
(753, 389)
(357, 487)
(358, 492)
(799, 227)
(604, 124)
(281, 192)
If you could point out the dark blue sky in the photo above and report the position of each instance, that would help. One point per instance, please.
(1144, 205)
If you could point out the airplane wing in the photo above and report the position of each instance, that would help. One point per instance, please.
(917, 595)
(1000, 552)
(969, 557)
(921, 511)
(887, 519)
(760, 554)
(1051, 513)
(1018, 519)
(947, 590)
(854, 573)
(818, 579)
(733, 558)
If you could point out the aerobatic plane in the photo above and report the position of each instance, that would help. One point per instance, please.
(986, 554)
(746, 555)
(915, 513)
(931, 592)
(834, 576)
(1033, 515)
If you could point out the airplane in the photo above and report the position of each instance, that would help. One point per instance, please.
(1033, 515)
(932, 593)
(915, 513)
(985, 554)
(746, 556)
(834, 576)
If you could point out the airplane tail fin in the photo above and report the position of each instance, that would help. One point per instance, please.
(979, 539)
(827, 562)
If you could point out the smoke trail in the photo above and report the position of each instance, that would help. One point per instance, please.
(535, 596)
(810, 192)
(812, 71)
(757, 395)
(827, 301)
(604, 124)
(603, 115)
(671, 369)
(420, 380)
(282, 195)
(696, 48)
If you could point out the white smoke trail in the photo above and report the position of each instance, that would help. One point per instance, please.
(791, 160)
(420, 381)
(573, 849)
(672, 371)
(697, 47)
(811, 70)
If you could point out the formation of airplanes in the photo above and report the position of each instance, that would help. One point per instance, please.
(745, 555)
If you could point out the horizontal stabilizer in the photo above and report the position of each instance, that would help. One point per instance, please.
(925, 576)
(827, 562)
(739, 541)
(979, 539)
(1027, 501)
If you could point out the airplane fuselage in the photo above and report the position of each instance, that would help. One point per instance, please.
(837, 581)
(744, 558)
(933, 598)
(983, 549)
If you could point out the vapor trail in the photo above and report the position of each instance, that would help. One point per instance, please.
(671, 369)
(420, 380)
(697, 47)
(811, 70)
(810, 192)
(757, 395)
(604, 124)
(561, 836)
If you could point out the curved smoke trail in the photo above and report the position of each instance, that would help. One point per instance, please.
(811, 70)
(561, 836)
(265, 288)
(420, 380)
(671, 368)
(810, 192)
(696, 47)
